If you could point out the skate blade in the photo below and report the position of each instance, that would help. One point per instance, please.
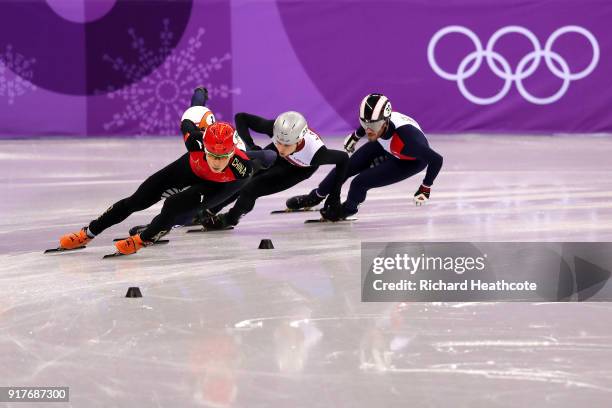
(205, 230)
(158, 242)
(323, 221)
(289, 210)
(113, 255)
(58, 249)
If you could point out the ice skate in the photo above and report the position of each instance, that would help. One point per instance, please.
(129, 246)
(305, 201)
(74, 240)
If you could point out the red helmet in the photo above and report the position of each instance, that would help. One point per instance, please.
(219, 140)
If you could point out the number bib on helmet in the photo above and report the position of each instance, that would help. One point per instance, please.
(201, 116)
(303, 157)
(395, 144)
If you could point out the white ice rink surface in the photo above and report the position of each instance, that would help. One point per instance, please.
(223, 323)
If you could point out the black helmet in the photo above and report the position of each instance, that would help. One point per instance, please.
(374, 111)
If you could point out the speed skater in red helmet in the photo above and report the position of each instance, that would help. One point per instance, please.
(212, 170)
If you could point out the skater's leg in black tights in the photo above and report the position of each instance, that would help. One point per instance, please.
(359, 161)
(388, 172)
(176, 176)
(281, 176)
(206, 194)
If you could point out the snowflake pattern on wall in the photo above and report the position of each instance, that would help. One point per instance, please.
(156, 102)
(16, 73)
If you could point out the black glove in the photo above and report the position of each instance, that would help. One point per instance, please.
(200, 96)
(350, 141)
(422, 195)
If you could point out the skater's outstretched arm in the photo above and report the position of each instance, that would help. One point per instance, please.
(185, 202)
(416, 145)
(340, 159)
(261, 159)
(246, 122)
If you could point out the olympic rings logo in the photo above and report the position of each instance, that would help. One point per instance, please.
(526, 66)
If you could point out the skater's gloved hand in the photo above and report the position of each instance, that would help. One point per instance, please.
(422, 195)
(254, 148)
(332, 209)
(350, 141)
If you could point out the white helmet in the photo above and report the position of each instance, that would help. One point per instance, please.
(200, 115)
(289, 128)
